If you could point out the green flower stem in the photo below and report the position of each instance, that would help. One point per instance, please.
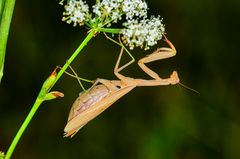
(110, 30)
(23, 127)
(74, 55)
(40, 98)
(7, 7)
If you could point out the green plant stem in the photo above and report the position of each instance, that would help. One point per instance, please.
(76, 52)
(39, 99)
(6, 17)
(110, 30)
(23, 127)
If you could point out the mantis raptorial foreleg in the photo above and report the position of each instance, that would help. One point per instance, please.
(160, 53)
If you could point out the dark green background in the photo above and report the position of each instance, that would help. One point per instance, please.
(167, 122)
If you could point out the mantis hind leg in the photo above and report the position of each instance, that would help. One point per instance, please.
(161, 53)
(110, 84)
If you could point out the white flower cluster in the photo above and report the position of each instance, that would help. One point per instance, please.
(139, 31)
(112, 10)
(108, 11)
(144, 31)
(76, 12)
(134, 8)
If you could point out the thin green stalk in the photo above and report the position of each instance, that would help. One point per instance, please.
(74, 55)
(23, 127)
(40, 98)
(110, 30)
(6, 17)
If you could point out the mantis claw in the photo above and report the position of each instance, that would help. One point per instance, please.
(174, 78)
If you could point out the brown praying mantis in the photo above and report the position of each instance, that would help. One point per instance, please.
(104, 93)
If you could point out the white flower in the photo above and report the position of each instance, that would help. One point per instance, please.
(143, 33)
(108, 10)
(112, 10)
(134, 8)
(139, 31)
(76, 12)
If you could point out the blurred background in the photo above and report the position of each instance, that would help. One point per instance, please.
(167, 122)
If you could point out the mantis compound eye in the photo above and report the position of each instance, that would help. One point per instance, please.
(119, 87)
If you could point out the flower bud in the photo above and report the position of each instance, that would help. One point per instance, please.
(53, 95)
(50, 80)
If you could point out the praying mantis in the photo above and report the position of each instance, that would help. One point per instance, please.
(104, 93)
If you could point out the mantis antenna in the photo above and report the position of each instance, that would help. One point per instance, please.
(189, 88)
